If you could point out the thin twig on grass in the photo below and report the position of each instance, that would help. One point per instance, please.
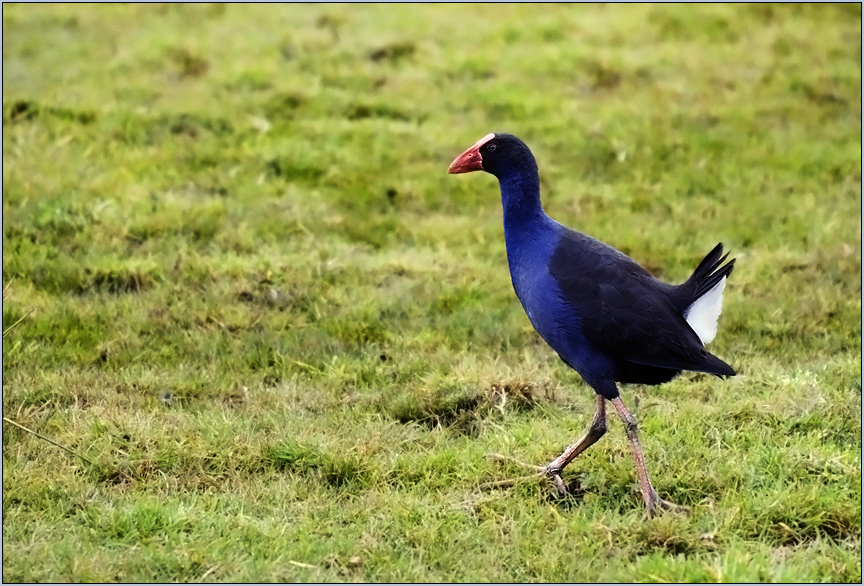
(511, 481)
(7, 286)
(5, 297)
(6, 331)
(302, 565)
(49, 440)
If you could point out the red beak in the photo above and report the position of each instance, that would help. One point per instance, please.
(470, 160)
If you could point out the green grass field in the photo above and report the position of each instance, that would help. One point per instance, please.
(285, 340)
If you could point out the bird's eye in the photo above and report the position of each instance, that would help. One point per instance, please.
(492, 147)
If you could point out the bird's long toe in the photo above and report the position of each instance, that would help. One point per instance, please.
(658, 504)
(559, 483)
(670, 506)
(503, 458)
(548, 471)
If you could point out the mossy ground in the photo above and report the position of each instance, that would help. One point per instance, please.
(286, 338)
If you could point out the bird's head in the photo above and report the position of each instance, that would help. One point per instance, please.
(496, 153)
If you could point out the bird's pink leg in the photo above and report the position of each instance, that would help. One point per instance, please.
(652, 500)
(594, 433)
(553, 469)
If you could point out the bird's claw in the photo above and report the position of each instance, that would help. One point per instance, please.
(554, 475)
(659, 503)
(670, 506)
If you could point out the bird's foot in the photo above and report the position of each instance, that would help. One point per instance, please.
(539, 472)
(659, 504)
(555, 476)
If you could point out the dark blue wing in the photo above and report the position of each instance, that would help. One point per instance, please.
(627, 314)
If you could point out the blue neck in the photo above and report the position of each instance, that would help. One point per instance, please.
(528, 233)
(520, 198)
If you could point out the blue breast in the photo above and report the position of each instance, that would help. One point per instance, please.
(529, 249)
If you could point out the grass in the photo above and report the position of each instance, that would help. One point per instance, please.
(286, 338)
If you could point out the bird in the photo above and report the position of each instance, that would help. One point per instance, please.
(607, 317)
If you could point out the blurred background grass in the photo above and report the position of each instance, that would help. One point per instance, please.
(287, 338)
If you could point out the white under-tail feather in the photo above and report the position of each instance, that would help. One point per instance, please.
(703, 313)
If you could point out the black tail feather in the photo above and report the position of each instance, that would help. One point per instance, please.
(717, 367)
(707, 274)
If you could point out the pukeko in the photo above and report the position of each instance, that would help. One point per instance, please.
(606, 317)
